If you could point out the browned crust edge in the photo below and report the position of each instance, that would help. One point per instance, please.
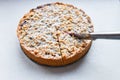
(57, 62)
(44, 61)
(78, 55)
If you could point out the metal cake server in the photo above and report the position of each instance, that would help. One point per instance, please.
(102, 35)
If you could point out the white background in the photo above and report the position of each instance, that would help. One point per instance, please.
(102, 62)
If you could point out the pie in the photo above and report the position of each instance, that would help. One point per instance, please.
(43, 34)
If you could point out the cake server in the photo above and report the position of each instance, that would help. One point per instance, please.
(102, 35)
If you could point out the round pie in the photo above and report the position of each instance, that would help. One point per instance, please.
(43, 34)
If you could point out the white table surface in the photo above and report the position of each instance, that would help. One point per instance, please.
(102, 62)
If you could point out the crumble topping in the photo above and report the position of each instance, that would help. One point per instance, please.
(44, 30)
